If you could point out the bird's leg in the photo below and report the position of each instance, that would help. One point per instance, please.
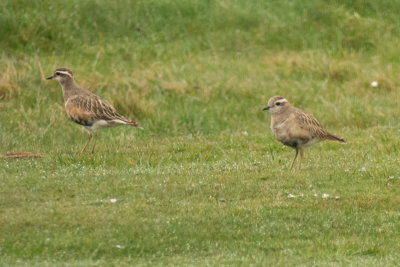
(95, 139)
(295, 156)
(301, 157)
(83, 150)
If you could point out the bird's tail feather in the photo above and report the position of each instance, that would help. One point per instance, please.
(124, 121)
(134, 124)
(335, 138)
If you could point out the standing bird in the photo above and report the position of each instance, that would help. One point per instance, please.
(87, 109)
(294, 127)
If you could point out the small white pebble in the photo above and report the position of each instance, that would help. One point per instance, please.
(391, 177)
(113, 200)
(374, 84)
(291, 196)
(245, 133)
(363, 169)
(337, 197)
(325, 195)
(119, 246)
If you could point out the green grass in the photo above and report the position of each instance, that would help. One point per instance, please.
(205, 183)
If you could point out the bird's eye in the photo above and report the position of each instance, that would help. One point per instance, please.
(278, 103)
(57, 74)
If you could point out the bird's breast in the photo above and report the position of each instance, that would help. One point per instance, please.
(280, 129)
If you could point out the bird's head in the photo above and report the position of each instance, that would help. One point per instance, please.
(277, 104)
(62, 75)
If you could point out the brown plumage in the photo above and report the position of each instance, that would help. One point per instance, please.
(294, 127)
(86, 108)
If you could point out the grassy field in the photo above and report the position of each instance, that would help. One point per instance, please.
(205, 182)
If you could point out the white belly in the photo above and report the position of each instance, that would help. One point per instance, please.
(102, 124)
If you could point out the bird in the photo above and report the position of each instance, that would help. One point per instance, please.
(295, 128)
(86, 108)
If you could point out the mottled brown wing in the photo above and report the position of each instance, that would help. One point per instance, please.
(309, 123)
(104, 110)
(86, 110)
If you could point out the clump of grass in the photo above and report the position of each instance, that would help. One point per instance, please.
(385, 83)
(8, 82)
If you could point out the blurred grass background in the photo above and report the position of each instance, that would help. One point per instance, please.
(208, 66)
(196, 75)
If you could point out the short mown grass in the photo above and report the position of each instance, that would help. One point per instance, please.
(205, 182)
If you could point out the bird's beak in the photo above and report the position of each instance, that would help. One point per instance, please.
(50, 78)
(266, 108)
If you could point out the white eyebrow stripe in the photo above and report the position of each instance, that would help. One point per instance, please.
(282, 100)
(64, 72)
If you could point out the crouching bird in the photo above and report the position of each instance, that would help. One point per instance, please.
(86, 108)
(295, 128)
